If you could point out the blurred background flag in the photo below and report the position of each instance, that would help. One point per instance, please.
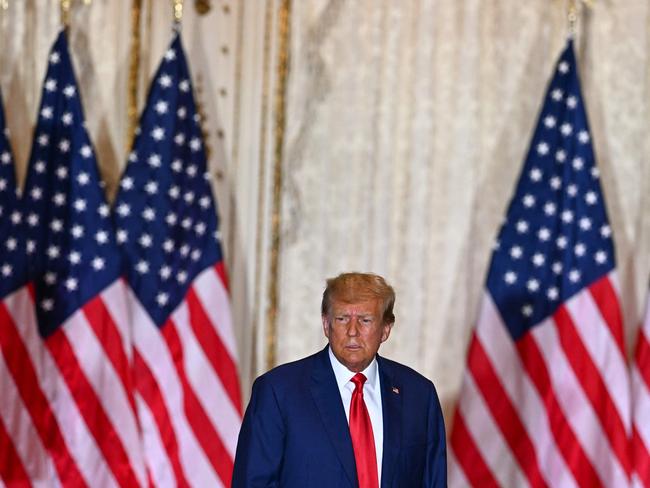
(185, 354)
(22, 455)
(78, 337)
(641, 404)
(545, 397)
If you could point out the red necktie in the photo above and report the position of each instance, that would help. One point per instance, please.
(363, 441)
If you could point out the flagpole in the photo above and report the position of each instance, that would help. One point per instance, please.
(65, 6)
(65, 13)
(572, 17)
(178, 11)
(572, 14)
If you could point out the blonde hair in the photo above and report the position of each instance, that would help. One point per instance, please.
(357, 287)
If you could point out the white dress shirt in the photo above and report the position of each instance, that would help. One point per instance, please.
(371, 396)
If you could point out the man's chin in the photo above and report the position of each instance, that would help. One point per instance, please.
(354, 361)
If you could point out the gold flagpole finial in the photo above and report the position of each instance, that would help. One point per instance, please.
(65, 13)
(572, 14)
(572, 17)
(178, 10)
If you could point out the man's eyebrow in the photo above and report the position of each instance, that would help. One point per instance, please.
(361, 314)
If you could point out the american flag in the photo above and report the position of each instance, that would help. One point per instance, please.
(641, 404)
(18, 439)
(545, 397)
(74, 398)
(185, 355)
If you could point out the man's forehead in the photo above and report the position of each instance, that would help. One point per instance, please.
(361, 307)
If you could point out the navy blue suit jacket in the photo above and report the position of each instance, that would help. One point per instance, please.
(295, 433)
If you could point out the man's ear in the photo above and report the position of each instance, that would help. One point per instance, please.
(386, 331)
(326, 325)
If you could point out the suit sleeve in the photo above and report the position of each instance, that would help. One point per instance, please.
(259, 455)
(436, 463)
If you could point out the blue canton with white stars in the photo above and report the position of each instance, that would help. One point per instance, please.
(12, 257)
(556, 238)
(165, 214)
(70, 245)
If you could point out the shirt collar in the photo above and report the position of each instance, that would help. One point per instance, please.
(343, 374)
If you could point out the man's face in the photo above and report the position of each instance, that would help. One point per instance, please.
(355, 331)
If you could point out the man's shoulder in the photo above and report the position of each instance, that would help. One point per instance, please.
(292, 367)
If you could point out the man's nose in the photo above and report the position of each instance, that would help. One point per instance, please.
(353, 327)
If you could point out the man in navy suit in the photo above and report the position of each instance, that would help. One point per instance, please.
(345, 416)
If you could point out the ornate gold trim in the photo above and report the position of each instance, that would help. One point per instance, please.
(134, 73)
(284, 26)
(268, 26)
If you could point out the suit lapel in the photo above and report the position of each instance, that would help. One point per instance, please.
(391, 401)
(328, 401)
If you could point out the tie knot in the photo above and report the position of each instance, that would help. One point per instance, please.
(358, 379)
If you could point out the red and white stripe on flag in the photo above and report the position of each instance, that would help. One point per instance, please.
(550, 409)
(641, 405)
(545, 397)
(187, 387)
(69, 413)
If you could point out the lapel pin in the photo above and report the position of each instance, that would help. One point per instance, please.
(395, 390)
